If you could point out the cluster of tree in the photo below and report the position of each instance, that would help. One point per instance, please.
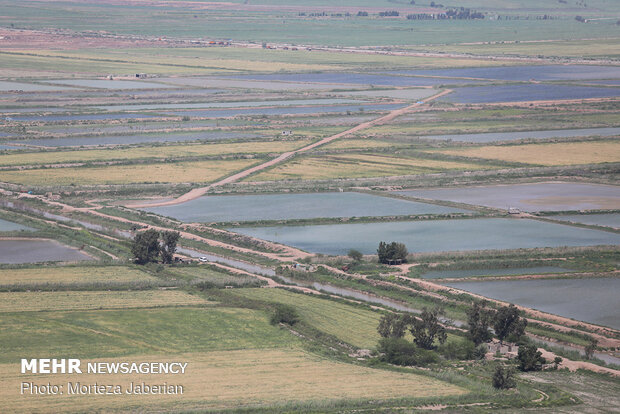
(505, 321)
(362, 13)
(450, 14)
(389, 13)
(425, 329)
(580, 19)
(392, 253)
(150, 245)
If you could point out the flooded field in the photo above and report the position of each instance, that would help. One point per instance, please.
(81, 117)
(294, 206)
(411, 94)
(432, 236)
(109, 84)
(607, 220)
(29, 87)
(254, 84)
(527, 92)
(523, 73)
(134, 139)
(33, 251)
(356, 78)
(530, 197)
(6, 225)
(287, 110)
(564, 297)
(513, 136)
(449, 274)
(237, 104)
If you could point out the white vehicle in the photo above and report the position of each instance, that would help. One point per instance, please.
(203, 259)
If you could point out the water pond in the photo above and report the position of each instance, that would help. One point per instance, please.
(214, 113)
(34, 251)
(134, 139)
(432, 236)
(606, 220)
(6, 225)
(109, 84)
(449, 274)
(527, 92)
(524, 73)
(355, 78)
(254, 84)
(240, 104)
(81, 117)
(30, 87)
(294, 206)
(530, 197)
(588, 300)
(513, 136)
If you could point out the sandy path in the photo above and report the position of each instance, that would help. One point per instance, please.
(198, 192)
(575, 365)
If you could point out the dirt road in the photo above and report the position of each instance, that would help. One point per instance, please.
(199, 192)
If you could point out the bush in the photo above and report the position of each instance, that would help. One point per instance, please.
(284, 314)
(399, 351)
(503, 378)
(355, 255)
(462, 350)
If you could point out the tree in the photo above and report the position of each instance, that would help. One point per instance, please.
(389, 253)
(507, 322)
(478, 320)
(356, 255)
(427, 328)
(503, 378)
(557, 361)
(393, 325)
(169, 245)
(590, 348)
(145, 247)
(530, 358)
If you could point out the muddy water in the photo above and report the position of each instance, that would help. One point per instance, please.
(295, 206)
(593, 300)
(552, 196)
(33, 251)
(432, 235)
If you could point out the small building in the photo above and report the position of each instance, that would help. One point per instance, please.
(505, 349)
(513, 210)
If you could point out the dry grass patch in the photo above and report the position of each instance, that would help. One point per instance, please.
(356, 143)
(357, 166)
(232, 380)
(83, 274)
(566, 153)
(168, 151)
(181, 172)
(44, 301)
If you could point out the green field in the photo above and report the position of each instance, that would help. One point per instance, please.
(353, 325)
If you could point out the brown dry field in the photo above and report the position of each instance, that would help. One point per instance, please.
(35, 39)
(566, 153)
(226, 380)
(45, 301)
(78, 274)
(181, 172)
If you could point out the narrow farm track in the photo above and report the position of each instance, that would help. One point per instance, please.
(199, 192)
